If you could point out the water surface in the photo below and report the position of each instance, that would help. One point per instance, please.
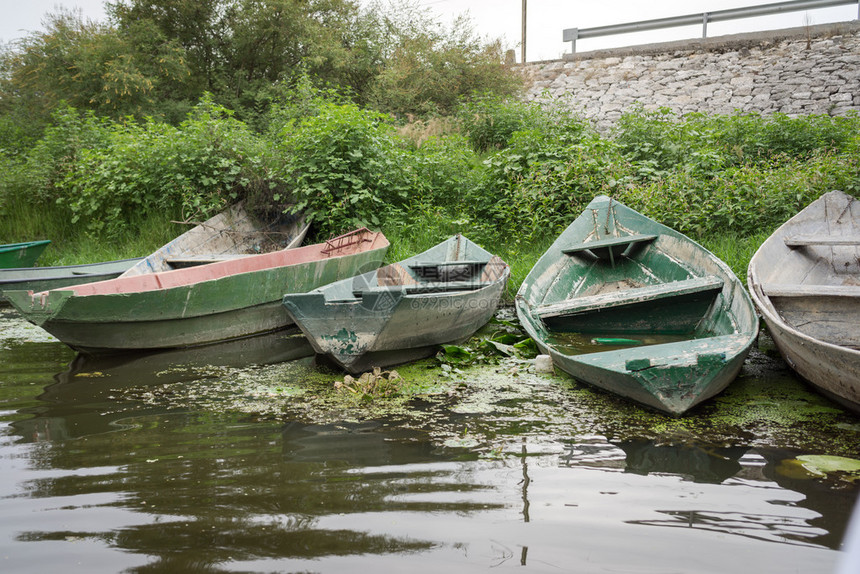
(243, 458)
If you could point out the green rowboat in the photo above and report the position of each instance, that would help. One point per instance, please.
(404, 311)
(195, 305)
(21, 254)
(635, 308)
(44, 278)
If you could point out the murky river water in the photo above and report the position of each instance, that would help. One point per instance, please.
(243, 458)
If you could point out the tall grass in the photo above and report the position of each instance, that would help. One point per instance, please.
(735, 250)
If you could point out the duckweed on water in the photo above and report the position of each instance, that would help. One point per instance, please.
(487, 405)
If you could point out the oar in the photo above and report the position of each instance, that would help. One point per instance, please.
(614, 341)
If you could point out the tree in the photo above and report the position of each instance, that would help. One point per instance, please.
(90, 66)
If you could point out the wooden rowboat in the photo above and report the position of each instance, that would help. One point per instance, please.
(805, 281)
(403, 311)
(195, 305)
(633, 307)
(231, 234)
(21, 254)
(45, 278)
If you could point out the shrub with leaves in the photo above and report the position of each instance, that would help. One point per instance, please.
(345, 166)
(210, 160)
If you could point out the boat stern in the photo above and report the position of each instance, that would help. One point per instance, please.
(672, 377)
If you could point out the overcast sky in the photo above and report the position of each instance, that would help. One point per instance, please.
(502, 19)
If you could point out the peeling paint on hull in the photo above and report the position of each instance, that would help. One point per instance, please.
(657, 282)
(193, 306)
(359, 324)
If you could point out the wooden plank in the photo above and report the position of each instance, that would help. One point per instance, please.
(629, 296)
(425, 288)
(803, 240)
(203, 259)
(446, 264)
(792, 290)
(625, 240)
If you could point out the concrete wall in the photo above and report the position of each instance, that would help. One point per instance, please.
(799, 71)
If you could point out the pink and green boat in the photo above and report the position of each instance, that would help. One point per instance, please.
(197, 305)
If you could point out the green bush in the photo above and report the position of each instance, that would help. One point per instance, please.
(153, 168)
(344, 166)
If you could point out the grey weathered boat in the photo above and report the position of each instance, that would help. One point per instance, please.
(633, 307)
(45, 278)
(233, 233)
(403, 311)
(805, 281)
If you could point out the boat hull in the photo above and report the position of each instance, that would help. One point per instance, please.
(44, 278)
(805, 282)
(21, 254)
(675, 322)
(367, 322)
(358, 336)
(834, 370)
(211, 303)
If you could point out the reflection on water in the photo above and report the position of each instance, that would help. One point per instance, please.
(94, 479)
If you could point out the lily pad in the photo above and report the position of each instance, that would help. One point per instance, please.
(826, 464)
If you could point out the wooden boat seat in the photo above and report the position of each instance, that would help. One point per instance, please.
(448, 263)
(394, 274)
(610, 247)
(708, 351)
(444, 271)
(804, 240)
(420, 288)
(202, 259)
(493, 270)
(629, 297)
(791, 290)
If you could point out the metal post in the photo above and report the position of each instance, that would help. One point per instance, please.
(705, 24)
(571, 34)
(524, 32)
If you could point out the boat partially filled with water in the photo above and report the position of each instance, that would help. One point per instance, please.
(635, 308)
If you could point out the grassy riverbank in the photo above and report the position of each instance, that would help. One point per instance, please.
(509, 175)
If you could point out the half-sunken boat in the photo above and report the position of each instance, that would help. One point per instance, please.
(403, 311)
(805, 281)
(21, 254)
(635, 308)
(195, 305)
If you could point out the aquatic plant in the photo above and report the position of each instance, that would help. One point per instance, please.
(372, 385)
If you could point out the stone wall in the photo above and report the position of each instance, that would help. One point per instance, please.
(799, 71)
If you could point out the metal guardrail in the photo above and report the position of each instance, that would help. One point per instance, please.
(574, 34)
